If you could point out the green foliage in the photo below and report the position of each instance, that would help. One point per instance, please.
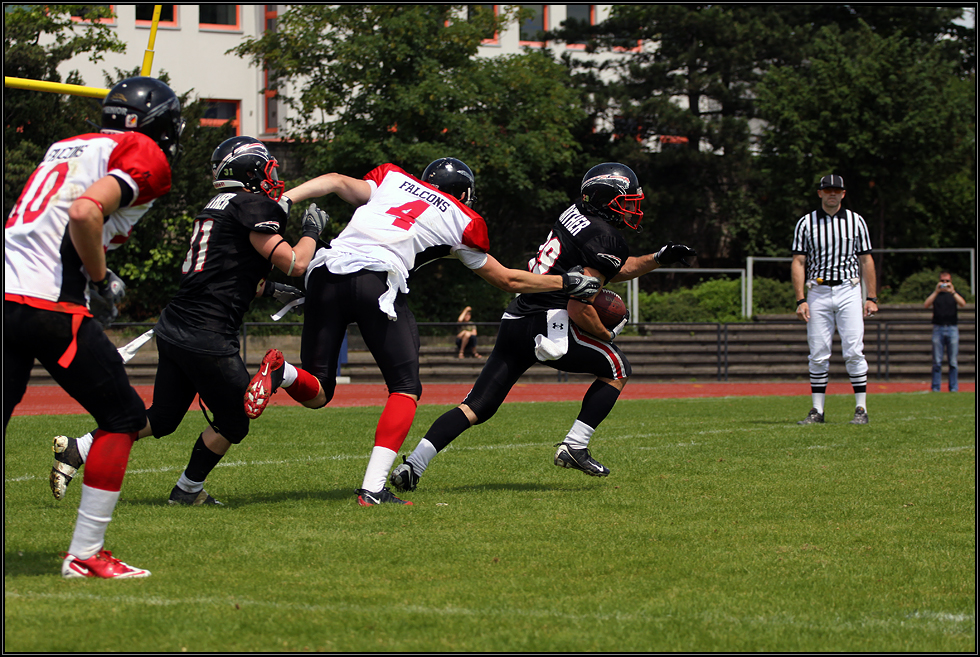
(396, 83)
(33, 120)
(917, 287)
(889, 114)
(723, 528)
(713, 300)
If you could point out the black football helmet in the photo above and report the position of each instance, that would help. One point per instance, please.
(146, 105)
(612, 191)
(447, 174)
(246, 162)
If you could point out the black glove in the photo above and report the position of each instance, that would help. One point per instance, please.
(283, 293)
(103, 297)
(314, 221)
(672, 253)
(579, 285)
(616, 330)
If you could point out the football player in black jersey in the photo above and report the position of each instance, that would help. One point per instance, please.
(561, 332)
(236, 242)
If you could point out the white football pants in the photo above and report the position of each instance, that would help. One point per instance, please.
(841, 307)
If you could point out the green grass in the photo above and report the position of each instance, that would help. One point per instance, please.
(723, 527)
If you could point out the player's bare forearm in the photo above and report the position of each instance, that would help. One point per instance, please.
(586, 318)
(352, 190)
(635, 267)
(515, 280)
(86, 217)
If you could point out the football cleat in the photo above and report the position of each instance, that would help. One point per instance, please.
(860, 416)
(200, 498)
(367, 498)
(263, 384)
(403, 477)
(67, 461)
(813, 417)
(579, 459)
(101, 564)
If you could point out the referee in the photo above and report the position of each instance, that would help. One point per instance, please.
(831, 253)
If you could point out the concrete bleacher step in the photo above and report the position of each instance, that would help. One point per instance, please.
(897, 343)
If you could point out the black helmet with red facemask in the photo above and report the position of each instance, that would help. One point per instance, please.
(246, 162)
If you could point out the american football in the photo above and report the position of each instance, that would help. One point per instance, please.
(610, 308)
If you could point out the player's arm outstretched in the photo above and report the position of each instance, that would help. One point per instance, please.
(574, 283)
(669, 254)
(353, 190)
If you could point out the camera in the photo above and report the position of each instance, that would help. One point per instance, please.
(944, 285)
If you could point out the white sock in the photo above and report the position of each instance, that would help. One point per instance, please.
(818, 401)
(861, 399)
(94, 514)
(424, 452)
(84, 444)
(378, 468)
(189, 486)
(289, 375)
(579, 435)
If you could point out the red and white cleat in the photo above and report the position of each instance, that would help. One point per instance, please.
(263, 384)
(101, 564)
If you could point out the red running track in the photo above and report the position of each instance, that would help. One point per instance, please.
(52, 400)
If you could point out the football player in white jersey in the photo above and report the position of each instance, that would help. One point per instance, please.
(401, 222)
(83, 199)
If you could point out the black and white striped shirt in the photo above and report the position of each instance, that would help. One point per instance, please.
(831, 244)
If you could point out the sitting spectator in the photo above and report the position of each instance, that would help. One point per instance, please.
(466, 338)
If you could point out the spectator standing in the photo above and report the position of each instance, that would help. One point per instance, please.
(831, 254)
(944, 302)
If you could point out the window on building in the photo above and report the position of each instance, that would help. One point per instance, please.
(219, 112)
(491, 38)
(532, 29)
(578, 19)
(270, 95)
(220, 17)
(83, 13)
(168, 15)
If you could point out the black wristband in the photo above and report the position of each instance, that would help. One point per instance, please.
(873, 300)
(102, 285)
(800, 302)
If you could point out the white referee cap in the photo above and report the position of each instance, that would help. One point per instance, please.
(832, 181)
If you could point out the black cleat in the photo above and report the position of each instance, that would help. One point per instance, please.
(67, 461)
(813, 417)
(579, 459)
(200, 498)
(403, 477)
(367, 498)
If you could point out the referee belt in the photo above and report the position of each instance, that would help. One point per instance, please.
(823, 281)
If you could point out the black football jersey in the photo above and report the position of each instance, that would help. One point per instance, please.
(220, 273)
(575, 239)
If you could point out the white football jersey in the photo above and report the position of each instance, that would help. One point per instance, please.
(403, 218)
(40, 261)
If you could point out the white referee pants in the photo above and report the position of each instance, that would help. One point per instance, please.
(837, 307)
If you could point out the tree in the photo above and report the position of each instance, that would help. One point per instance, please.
(402, 84)
(25, 136)
(889, 114)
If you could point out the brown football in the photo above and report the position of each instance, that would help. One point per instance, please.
(610, 308)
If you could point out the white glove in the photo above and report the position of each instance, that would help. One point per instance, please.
(104, 296)
(616, 330)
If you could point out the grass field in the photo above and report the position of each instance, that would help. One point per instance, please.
(723, 527)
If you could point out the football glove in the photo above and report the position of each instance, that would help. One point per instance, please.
(672, 253)
(314, 221)
(103, 297)
(283, 293)
(616, 330)
(579, 285)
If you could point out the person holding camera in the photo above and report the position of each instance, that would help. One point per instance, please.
(944, 301)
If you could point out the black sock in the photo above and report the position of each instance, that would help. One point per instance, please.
(449, 425)
(598, 402)
(202, 461)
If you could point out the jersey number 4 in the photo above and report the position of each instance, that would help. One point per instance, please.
(198, 253)
(407, 214)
